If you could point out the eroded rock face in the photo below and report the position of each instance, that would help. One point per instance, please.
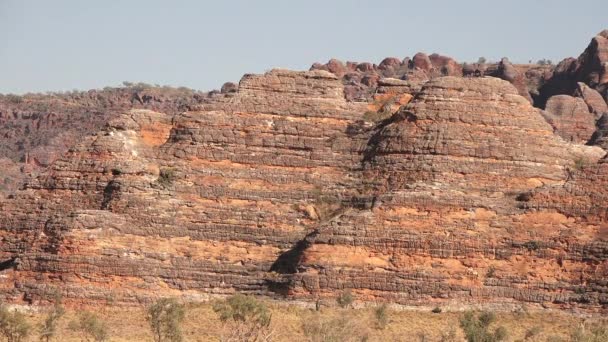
(588, 68)
(508, 72)
(570, 118)
(592, 98)
(284, 188)
(36, 129)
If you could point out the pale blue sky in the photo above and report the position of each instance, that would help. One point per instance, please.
(78, 44)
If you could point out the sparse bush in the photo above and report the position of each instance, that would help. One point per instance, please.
(166, 177)
(595, 332)
(382, 316)
(491, 273)
(371, 116)
(345, 299)
(580, 163)
(343, 328)
(13, 325)
(165, 318)
(48, 329)
(524, 197)
(91, 327)
(530, 333)
(436, 310)
(449, 336)
(246, 318)
(476, 328)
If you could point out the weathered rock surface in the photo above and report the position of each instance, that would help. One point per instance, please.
(588, 68)
(570, 118)
(35, 130)
(508, 72)
(592, 98)
(391, 180)
(283, 188)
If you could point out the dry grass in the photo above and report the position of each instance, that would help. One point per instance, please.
(202, 324)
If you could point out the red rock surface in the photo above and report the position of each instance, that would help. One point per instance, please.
(35, 130)
(392, 180)
(570, 118)
(282, 189)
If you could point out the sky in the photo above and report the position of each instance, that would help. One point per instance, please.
(64, 45)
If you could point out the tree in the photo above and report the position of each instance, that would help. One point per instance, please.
(91, 327)
(48, 328)
(246, 318)
(165, 317)
(13, 325)
(481, 60)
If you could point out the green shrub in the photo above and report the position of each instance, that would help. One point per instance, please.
(345, 299)
(91, 327)
(165, 317)
(436, 310)
(13, 325)
(477, 327)
(243, 308)
(245, 318)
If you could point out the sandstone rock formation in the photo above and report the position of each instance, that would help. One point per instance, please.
(570, 118)
(283, 189)
(589, 68)
(402, 181)
(35, 129)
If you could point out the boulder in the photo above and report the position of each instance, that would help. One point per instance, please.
(592, 98)
(422, 62)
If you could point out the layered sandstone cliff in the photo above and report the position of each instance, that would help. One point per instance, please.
(402, 182)
(282, 189)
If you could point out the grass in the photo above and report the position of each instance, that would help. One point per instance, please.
(201, 323)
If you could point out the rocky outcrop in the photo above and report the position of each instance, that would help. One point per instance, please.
(570, 118)
(589, 68)
(35, 129)
(401, 181)
(284, 188)
(508, 72)
(592, 98)
(600, 136)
